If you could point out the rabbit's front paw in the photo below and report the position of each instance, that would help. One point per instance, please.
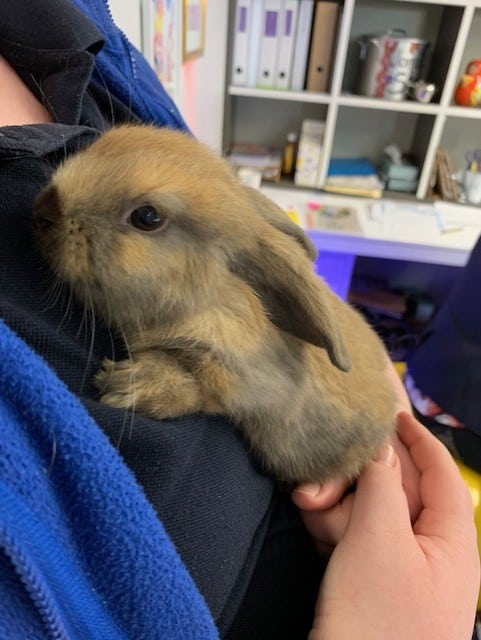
(118, 383)
(152, 384)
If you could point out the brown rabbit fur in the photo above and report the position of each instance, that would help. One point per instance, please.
(218, 303)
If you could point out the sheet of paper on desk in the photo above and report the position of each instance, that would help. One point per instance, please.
(403, 221)
(459, 216)
(324, 217)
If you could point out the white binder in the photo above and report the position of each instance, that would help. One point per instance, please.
(271, 15)
(301, 47)
(285, 51)
(242, 33)
(255, 36)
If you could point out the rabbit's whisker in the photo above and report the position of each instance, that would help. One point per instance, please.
(88, 315)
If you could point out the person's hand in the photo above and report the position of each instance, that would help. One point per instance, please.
(326, 508)
(388, 578)
(311, 498)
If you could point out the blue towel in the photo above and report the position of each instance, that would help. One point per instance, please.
(351, 167)
(84, 555)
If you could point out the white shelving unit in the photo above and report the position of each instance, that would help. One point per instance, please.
(356, 125)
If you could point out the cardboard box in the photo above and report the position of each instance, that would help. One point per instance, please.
(309, 153)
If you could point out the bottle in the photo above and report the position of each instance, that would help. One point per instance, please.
(289, 154)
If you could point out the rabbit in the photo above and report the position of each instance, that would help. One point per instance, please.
(212, 288)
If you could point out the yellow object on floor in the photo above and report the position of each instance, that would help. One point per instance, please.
(473, 480)
(400, 368)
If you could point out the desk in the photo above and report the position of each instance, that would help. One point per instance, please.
(445, 233)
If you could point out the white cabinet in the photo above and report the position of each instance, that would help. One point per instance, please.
(361, 126)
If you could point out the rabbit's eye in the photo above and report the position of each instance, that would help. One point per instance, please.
(147, 218)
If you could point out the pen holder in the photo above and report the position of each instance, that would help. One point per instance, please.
(472, 186)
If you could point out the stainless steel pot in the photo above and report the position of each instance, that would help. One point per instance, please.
(391, 63)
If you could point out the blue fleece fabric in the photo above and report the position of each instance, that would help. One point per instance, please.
(84, 555)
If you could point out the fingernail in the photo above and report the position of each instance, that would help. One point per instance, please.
(386, 455)
(309, 488)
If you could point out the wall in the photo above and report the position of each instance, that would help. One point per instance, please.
(203, 79)
(202, 83)
(127, 16)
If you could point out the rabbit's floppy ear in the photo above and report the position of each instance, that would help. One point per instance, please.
(295, 298)
(275, 216)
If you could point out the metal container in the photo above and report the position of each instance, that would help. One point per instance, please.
(391, 63)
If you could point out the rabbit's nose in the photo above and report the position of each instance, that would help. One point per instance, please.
(46, 208)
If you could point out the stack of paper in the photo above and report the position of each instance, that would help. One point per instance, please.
(353, 176)
(259, 157)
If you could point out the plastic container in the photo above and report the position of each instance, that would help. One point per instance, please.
(289, 154)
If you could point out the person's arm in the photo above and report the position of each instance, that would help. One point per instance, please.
(388, 578)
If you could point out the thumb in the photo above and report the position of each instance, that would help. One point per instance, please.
(380, 505)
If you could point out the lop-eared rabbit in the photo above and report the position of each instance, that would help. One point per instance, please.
(213, 290)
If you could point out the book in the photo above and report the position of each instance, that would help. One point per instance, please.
(301, 46)
(285, 49)
(271, 15)
(242, 31)
(323, 36)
